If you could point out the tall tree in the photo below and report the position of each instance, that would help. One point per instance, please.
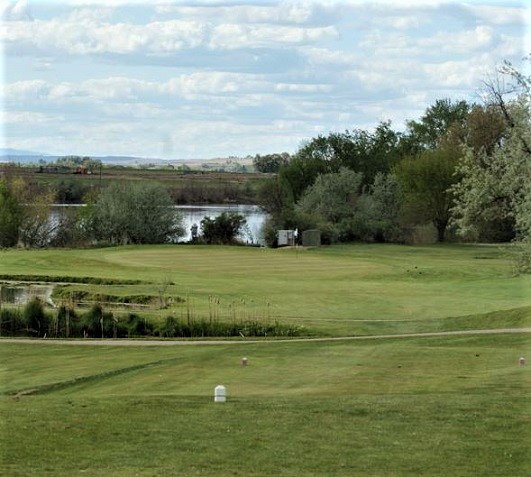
(36, 228)
(10, 216)
(359, 150)
(426, 181)
(494, 189)
(333, 196)
(270, 163)
(427, 133)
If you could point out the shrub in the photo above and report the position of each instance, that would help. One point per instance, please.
(34, 318)
(96, 323)
(223, 229)
(11, 322)
(138, 326)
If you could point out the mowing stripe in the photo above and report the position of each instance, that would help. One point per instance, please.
(51, 387)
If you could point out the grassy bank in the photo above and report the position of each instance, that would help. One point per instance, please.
(431, 407)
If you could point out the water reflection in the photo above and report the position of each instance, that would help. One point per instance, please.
(193, 214)
(254, 216)
(22, 294)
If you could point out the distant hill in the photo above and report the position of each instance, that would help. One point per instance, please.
(8, 151)
(232, 163)
(32, 157)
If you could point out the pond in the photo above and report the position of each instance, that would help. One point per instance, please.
(193, 214)
(18, 294)
(254, 216)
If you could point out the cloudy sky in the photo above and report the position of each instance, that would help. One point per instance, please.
(205, 79)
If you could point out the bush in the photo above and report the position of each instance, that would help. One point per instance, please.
(223, 229)
(11, 322)
(137, 326)
(97, 324)
(34, 318)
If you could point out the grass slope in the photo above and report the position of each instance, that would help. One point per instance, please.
(432, 406)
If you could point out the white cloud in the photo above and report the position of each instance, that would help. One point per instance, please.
(28, 118)
(282, 12)
(117, 77)
(15, 11)
(480, 38)
(498, 15)
(88, 34)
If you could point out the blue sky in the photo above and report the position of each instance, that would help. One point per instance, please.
(207, 79)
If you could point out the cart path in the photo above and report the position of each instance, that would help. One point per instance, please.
(149, 342)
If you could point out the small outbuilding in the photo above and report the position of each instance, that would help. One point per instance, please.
(286, 238)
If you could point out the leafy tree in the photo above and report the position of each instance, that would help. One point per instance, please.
(426, 181)
(36, 229)
(333, 196)
(222, 229)
(378, 213)
(134, 213)
(494, 188)
(270, 162)
(10, 216)
(486, 128)
(273, 196)
(70, 191)
(359, 150)
(91, 165)
(433, 126)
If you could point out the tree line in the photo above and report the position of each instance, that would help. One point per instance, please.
(462, 167)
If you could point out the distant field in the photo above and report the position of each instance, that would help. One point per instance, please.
(450, 406)
(190, 187)
(340, 290)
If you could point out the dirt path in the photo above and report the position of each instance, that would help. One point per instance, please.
(142, 342)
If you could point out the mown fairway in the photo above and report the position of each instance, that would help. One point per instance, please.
(394, 407)
(355, 289)
(430, 406)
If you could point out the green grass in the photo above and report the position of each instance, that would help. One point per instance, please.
(395, 407)
(351, 289)
(431, 406)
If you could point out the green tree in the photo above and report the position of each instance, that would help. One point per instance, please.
(36, 229)
(426, 182)
(426, 134)
(378, 213)
(333, 196)
(270, 163)
(222, 229)
(359, 150)
(134, 213)
(493, 190)
(10, 216)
